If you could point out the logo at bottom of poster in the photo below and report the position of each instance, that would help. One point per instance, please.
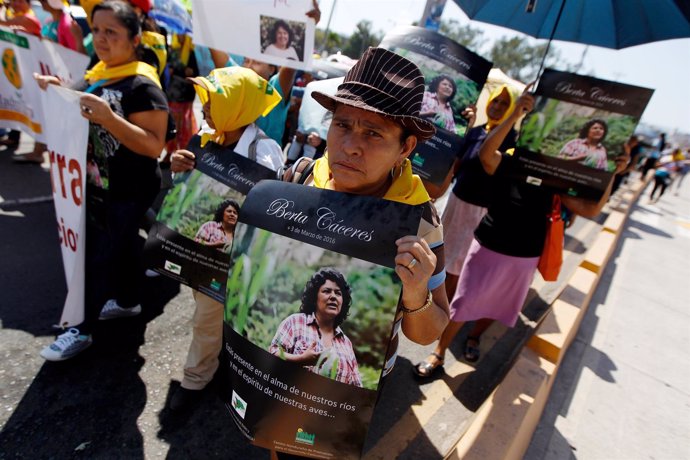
(304, 437)
(173, 267)
(239, 404)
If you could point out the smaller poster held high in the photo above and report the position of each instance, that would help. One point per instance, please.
(454, 77)
(578, 126)
(273, 31)
(191, 240)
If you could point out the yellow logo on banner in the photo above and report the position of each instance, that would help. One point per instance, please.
(11, 68)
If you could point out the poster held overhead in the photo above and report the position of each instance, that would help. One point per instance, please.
(568, 143)
(311, 317)
(275, 32)
(454, 77)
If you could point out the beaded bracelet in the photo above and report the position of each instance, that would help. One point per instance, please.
(429, 302)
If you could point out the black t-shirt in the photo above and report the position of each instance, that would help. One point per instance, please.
(515, 224)
(111, 166)
(472, 184)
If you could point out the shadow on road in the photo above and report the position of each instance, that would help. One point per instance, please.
(91, 402)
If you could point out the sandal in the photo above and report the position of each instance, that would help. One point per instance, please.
(471, 352)
(425, 369)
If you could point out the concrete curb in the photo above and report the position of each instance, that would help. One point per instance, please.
(504, 425)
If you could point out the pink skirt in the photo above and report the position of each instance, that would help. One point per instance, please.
(460, 219)
(492, 285)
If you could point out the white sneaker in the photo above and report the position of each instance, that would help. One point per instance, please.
(67, 345)
(151, 273)
(112, 310)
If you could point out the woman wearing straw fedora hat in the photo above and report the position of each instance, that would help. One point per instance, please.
(375, 127)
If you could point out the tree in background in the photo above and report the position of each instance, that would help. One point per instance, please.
(362, 38)
(520, 60)
(333, 43)
(466, 35)
(514, 55)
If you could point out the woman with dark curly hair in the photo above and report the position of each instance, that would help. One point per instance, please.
(218, 232)
(281, 36)
(436, 102)
(312, 337)
(588, 148)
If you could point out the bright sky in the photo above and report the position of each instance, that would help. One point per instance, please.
(662, 66)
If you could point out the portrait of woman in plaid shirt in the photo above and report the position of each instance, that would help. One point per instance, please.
(313, 337)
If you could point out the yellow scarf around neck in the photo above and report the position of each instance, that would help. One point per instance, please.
(101, 72)
(406, 188)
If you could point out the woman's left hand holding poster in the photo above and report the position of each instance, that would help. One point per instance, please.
(182, 160)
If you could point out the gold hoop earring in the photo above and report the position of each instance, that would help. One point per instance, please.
(399, 173)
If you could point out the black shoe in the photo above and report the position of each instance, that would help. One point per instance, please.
(185, 399)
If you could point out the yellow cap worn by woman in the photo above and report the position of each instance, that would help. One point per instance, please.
(238, 96)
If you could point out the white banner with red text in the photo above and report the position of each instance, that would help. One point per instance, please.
(68, 177)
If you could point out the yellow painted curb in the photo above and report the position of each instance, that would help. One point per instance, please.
(614, 222)
(597, 256)
(580, 287)
(557, 331)
(399, 436)
(503, 426)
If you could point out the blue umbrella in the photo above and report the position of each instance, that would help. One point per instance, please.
(607, 23)
(172, 15)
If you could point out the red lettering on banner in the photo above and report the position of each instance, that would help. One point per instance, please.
(51, 154)
(45, 69)
(77, 192)
(61, 164)
(58, 164)
(67, 236)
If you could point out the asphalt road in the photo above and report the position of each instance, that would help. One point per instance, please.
(108, 402)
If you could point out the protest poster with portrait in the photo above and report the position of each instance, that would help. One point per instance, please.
(579, 124)
(274, 31)
(454, 77)
(191, 240)
(302, 253)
